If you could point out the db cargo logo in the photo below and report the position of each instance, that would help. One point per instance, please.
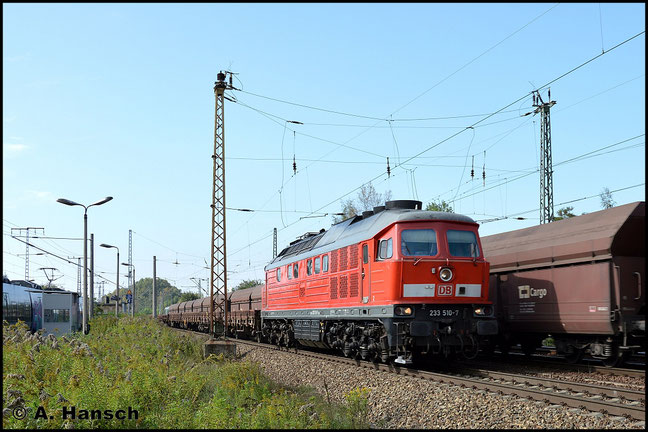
(525, 292)
(445, 290)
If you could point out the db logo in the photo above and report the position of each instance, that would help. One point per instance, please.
(445, 290)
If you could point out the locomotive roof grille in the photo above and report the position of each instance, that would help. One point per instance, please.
(356, 229)
(301, 245)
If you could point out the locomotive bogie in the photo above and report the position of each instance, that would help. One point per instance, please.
(374, 333)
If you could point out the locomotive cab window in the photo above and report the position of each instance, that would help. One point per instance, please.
(365, 254)
(385, 249)
(462, 243)
(290, 272)
(325, 263)
(417, 242)
(309, 267)
(296, 270)
(279, 274)
(317, 265)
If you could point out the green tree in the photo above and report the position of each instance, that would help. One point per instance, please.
(248, 284)
(188, 296)
(440, 205)
(564, 213)
(167, 294)
(606, 199)
(366, 200)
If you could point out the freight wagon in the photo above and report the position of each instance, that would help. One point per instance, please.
(580, 280)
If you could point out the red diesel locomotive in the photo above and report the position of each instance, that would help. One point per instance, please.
(393, 284)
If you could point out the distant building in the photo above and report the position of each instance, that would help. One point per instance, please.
(61, 312)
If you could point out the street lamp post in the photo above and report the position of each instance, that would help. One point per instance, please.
(133, 293)
(85, 252)
(104, 245)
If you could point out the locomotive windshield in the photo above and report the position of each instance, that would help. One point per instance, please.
(462, 243)
(418, 242)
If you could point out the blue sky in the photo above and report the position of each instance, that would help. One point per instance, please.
(117, 100)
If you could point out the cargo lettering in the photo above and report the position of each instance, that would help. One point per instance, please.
(538, 292)
(525, 292)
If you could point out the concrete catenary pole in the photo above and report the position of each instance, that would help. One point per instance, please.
(91, 310)
(117, 301)
(85, 272)
(133, 295)
(154, 293)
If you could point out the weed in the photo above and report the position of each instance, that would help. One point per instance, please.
(139, 364)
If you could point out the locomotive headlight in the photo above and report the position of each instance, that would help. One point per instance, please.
(445, 274)
(403, 310)
(485, 310)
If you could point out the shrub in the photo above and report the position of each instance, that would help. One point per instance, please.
(142, 364)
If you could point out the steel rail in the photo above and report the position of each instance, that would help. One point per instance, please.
(561, 384)
(526, 387)
(594, 402)
(586, 367)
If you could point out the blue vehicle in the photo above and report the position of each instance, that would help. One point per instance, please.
(21, 300)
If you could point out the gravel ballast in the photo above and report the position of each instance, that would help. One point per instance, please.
(407, 402)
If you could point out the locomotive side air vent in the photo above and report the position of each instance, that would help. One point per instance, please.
(403, 204)
(378, 209)
(366, 214)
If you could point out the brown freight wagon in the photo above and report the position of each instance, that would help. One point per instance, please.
(244, 318)
(580, 280)
(243, 307)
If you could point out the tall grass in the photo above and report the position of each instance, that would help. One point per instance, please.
(140, 364)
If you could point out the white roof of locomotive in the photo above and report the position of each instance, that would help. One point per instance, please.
(357, 229)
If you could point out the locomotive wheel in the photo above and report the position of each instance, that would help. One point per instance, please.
(470, 352)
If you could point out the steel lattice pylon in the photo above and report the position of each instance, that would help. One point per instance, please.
(546, 167)
(218, 277)
(131, 282)
(27, 246)
(274, 244)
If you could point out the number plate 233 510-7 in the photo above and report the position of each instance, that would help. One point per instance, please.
(444, 313)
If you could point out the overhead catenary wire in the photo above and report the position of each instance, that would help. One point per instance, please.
(270, 117)
(473, 125)
(380, 119)
(59, 257)
(356, 136)
(515, 215)
(480, 191)
(528, 94)
(586, 156)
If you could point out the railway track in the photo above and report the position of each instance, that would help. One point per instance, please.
(597, 398)
(561, 365)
